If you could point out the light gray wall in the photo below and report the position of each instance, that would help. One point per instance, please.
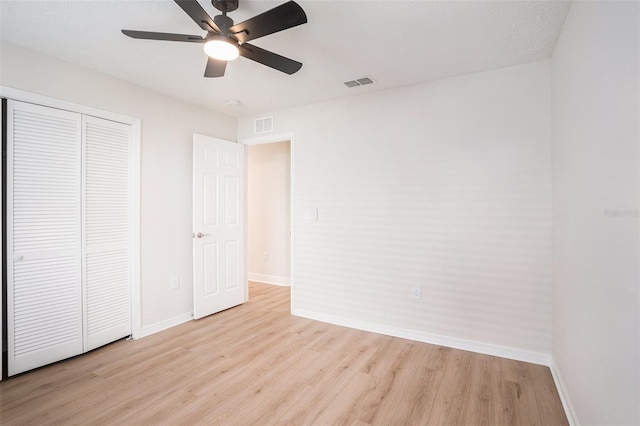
(166, 164)
(445, 185)
(596, 197)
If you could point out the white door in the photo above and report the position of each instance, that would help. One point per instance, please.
(107, 257)
(219, 274)
(43, 236)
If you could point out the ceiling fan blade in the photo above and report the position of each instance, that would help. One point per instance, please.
(197, 13)
(146, 35)
(270, 59)
(215, 68)
(287, 15)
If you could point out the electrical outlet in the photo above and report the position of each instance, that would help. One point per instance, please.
(266, 256)
(416, 292)
(175, 282)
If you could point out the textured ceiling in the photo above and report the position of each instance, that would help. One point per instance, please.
(396, 42)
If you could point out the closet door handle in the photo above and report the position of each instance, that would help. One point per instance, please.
(200, 235)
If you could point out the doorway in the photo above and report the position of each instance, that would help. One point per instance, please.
(269, 212)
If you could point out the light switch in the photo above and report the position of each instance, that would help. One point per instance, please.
(175, 282)
(311, 215)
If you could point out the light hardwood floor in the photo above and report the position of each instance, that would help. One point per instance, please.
(257, 365)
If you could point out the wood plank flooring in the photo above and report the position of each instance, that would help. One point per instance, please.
(258, 365)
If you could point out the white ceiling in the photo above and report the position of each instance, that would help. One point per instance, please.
(397, 43)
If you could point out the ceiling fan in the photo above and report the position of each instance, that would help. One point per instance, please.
(225, 41)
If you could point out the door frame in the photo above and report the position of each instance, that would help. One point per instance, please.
(134, 184)
(273, 138)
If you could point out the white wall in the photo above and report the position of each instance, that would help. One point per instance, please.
(268, 209)
(166, 163)
(445, 185)
(596, 132)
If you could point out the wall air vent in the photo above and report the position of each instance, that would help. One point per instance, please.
(359, 82)
(264, 125)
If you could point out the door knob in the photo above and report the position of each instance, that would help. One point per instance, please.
(200, 235)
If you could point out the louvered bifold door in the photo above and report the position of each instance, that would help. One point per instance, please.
(44, 309)
(107, 212)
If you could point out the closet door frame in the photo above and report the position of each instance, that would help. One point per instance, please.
(134, 185)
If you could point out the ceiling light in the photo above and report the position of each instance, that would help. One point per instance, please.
(222, 48)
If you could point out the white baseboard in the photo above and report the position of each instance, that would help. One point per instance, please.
(564, 396)
(435, 339)
(147, 330)
(270, 279)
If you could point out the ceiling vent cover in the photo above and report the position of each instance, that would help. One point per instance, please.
(359, 82)
(264, 125)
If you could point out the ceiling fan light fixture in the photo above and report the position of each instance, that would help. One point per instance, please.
(221, 48)
(224, 41)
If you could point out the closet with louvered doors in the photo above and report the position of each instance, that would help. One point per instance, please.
(68, 234)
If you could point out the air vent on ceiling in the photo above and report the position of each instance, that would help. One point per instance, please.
(359, 82)
(264, 124)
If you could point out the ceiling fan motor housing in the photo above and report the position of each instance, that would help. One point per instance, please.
(223, 22)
